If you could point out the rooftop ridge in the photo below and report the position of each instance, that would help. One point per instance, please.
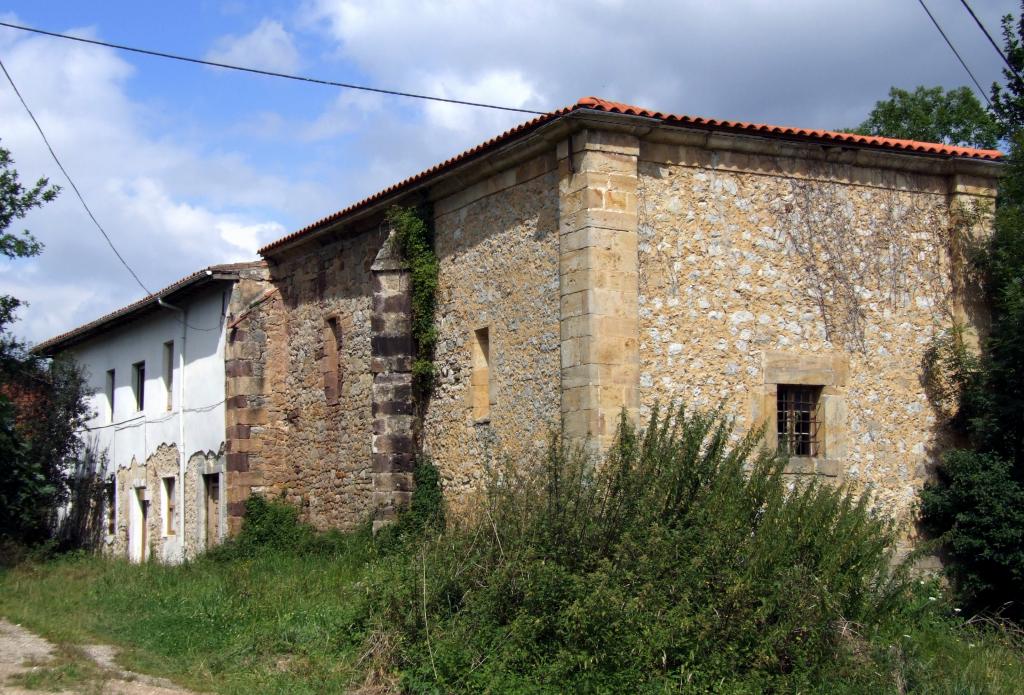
(598, 104)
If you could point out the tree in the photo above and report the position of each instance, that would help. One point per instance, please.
(1008, 102)
(976, 504)
(42, 403)
(931, 114)
(15, 202)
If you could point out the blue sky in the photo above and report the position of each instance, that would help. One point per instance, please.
(187, 166)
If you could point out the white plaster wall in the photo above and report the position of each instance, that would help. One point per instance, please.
(128, 433)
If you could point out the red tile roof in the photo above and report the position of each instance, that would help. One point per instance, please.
(126, 313)
(603, 105)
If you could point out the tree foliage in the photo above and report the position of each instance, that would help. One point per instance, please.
(975, 505)
(931, 114)
(42, 404)
(1008, 101)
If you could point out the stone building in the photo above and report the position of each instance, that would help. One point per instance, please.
(606, 257)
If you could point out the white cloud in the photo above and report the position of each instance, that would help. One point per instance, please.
(170, 208)
(743, 59)
(506, 87)
(348, 111)
(248, 237)
(267, 47)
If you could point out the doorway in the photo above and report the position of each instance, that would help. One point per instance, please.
(138, 546)
(211, 487)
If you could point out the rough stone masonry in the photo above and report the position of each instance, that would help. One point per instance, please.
(602, 259)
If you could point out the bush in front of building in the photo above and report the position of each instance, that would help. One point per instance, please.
(685, 561)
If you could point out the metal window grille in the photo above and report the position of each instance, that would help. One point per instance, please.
(799, 428)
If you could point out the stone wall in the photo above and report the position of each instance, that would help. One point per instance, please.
(616, 270)
(498, 246)
(297, 426)
(756, 265)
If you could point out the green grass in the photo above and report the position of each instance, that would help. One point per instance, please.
(286, 623)
(682, 564)
(68, 668)
(274, 623)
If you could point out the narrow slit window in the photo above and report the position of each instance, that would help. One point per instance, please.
(332, 361)
(110, 393)
(169, 506)
(139, 384)
(481, 377)
(799, 424)
(169, 373)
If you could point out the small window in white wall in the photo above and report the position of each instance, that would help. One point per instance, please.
(170, 518)
(169, 373)
(109, 389)
(139, 384)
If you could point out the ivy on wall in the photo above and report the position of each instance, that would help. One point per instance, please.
(416, 243)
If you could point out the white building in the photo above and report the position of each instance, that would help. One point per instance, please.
(156, 371)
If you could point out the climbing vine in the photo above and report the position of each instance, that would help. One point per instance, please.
(416, 243)
(843, 254)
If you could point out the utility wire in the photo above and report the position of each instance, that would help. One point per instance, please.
(269, 73)
(952, 48)
(72, 182)
(85, 205)
(992, 41)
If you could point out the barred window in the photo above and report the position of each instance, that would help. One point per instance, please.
(799, 426)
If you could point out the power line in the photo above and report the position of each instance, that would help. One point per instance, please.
(992, 41)
(82, 199)
(269, 73)
(955, 52)
(72, 182)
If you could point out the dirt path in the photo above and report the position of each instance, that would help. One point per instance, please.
(28, 660)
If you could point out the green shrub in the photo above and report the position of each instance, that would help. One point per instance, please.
(978, 506)
(681, 561)
(272, 524)
(424, 515)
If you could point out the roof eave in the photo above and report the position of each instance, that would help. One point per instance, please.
(558, 124)
(144, 307)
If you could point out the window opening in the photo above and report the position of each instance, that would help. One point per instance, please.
(139, 384)
(211, 485)
(481, 377)
(110, 392)
(799, 426)
(332, 363)
(169, 373)
(170, 518)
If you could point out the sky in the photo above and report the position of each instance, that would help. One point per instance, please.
(187, 166)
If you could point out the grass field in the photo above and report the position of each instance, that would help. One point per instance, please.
(280, 622)
(680, 565)
(274, 623)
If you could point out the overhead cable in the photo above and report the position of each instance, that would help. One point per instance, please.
(992, 41)
(269, 73)
(72, 182)
(955, 52)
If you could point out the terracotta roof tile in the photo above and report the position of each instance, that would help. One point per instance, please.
(596, 104)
